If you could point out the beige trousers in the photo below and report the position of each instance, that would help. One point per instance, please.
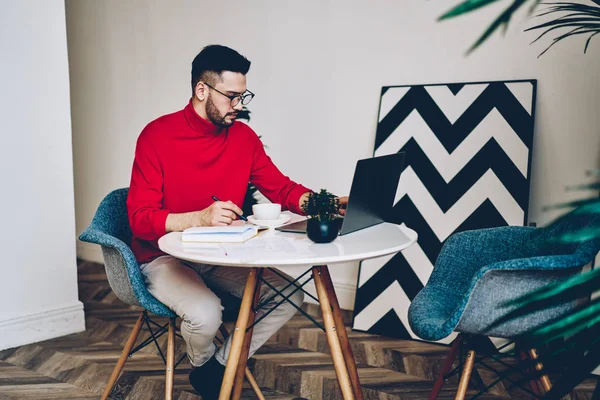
(187, 289)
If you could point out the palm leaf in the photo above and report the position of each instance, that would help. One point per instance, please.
(593, 172)
(500, 22)
(581, 368)
(587, 186)
(551, 295)
(584, 318)
(581, 236)
(576, 203)
(572, 359)
(582, 19)
(572, 289)
(465, 7)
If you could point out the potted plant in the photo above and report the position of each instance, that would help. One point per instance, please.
(323, 209)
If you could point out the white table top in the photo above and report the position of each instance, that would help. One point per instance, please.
(273, 248)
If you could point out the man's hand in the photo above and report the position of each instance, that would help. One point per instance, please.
(343, 203)
(219, 213)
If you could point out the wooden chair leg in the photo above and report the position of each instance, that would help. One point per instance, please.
(544, 380)
(332, 337)
(247, 372)
(241, 369)
(124, 355)
(254, 384)
(341, 332)
(170, 359)
(533, 384)
(465, 375)
(239, 335)
(439, 382)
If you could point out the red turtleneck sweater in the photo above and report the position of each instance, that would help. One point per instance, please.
(181, 160)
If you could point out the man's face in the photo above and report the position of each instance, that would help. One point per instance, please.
(218, 106)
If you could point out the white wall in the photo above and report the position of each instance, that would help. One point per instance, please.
(39, 271)
(317, 69)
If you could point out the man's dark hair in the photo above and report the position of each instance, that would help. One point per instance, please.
(213, 60)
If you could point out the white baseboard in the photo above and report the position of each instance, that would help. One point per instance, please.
(48, 324)
(89, 252)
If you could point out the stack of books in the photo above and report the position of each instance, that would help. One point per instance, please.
(219, 234)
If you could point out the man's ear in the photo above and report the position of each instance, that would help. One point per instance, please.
(201, 91)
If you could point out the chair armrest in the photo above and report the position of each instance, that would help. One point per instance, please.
(96, 236)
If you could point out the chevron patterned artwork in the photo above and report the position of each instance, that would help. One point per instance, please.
(468, 153)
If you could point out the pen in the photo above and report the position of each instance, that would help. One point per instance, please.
(239, 216)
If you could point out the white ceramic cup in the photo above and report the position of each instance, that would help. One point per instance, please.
(266, 212)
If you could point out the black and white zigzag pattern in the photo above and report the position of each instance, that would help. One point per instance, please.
(468, 154)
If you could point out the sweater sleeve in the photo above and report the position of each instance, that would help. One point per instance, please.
(272, 182)
(147, 217)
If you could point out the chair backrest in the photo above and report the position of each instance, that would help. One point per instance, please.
(560, 260)
(544, 240)
(110, 229)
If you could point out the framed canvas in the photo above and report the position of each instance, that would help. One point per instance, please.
(468, 157)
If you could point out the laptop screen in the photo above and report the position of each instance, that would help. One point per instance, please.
(371, 196)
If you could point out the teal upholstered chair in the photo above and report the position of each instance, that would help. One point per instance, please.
(478, 271)
(110, 229)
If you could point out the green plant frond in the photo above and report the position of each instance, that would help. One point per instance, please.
(587, 186)
(578, 343)
(465, 7)
(323, 206)
(577, 286)
(576, 31)
(571, 204)
(569, 22)
(581, 236)
(594, 172)
(591, 208)
(587, 42)
(583, 318)
(570, 290)
(534, 6)
(581, 369)
(583, 19)
(502, 20)
(550, 30)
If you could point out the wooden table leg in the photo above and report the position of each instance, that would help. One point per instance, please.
(341, 332)
(241, 369)
(239, 335)
(337, 355)
(247, 372)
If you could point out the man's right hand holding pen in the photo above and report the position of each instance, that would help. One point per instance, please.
(219, 213)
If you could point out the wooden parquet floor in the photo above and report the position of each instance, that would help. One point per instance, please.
(294, 364)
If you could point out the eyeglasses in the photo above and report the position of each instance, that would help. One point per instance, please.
(245, 97)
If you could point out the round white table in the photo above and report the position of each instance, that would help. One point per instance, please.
(272, 248)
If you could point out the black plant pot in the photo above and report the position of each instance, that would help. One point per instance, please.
(322, 231)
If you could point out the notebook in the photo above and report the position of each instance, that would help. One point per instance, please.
(219, 234)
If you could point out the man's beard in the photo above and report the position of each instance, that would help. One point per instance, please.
(215, 117)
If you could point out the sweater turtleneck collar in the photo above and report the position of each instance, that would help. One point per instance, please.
(199, 124)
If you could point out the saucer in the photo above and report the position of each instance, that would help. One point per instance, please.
(271, 223)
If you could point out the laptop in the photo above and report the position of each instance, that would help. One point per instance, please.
(371, 196)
